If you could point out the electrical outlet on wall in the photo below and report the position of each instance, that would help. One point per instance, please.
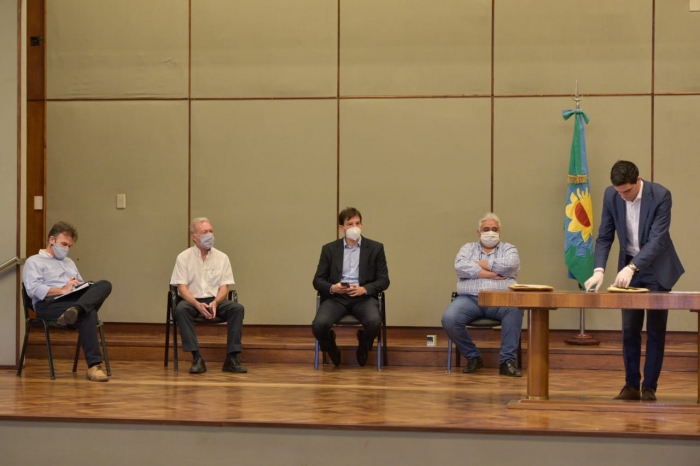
(121, 201)
(694, 5)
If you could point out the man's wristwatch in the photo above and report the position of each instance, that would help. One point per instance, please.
(633, 267)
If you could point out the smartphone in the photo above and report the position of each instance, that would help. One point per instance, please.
(344, 284)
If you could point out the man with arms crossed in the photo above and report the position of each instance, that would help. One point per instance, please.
(640, 212)
(351, 272)
(50, 275)
(202, 275)
(488, 264)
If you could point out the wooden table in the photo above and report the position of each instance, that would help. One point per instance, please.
(538, 305)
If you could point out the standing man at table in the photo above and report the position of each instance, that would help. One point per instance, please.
(640, 212)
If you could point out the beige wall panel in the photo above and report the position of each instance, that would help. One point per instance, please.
(265, 174)
(545, 46)
(414, 47)
(419, 171)
(267, 48)
(532, 147)
(97, 150)
(676, 166)
(9, 112)
(127, 48)
(677, 59)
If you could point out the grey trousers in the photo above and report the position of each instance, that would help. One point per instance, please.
(227, 310)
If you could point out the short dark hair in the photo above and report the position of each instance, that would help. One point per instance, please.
(65, 228)
(624, 172)
(348, 213)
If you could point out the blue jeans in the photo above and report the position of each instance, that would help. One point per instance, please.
(465, 308)
(632, 322)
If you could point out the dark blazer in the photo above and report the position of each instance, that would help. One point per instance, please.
(374, 274)
(656, 250)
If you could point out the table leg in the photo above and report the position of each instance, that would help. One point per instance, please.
(698, 357)
(538, 355)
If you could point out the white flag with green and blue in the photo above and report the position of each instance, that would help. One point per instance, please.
(578, 223)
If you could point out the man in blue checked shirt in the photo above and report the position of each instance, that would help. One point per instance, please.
(487, 264)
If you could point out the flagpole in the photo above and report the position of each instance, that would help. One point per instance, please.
(582, 338)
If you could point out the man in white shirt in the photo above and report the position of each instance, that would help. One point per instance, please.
(202, 275)
(640, 212)
(50, 278)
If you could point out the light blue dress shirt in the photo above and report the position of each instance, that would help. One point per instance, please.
(43, 271)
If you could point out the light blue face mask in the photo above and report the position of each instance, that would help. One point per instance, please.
(206, 241)
(60, 252)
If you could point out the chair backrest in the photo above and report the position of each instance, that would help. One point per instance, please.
(29, 312)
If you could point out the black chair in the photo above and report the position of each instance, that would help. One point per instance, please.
(173, 299)
(31, 320)
(350, 320)
(479, 323)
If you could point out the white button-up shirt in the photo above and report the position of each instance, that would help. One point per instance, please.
(632, 220)
(202, 277)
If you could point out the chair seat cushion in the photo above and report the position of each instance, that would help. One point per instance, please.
(485, 323)
(215, 320)
(348, 319)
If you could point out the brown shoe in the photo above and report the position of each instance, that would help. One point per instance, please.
(648, 394)
(68, 318)
(629, 394)
(96, 374)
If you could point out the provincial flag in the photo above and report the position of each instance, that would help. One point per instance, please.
(578, 222)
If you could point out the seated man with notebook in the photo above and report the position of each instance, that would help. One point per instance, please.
(487, 264)
(59, 293)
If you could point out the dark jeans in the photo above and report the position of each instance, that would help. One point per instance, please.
(229, 311)
(88, 302)
(363, 308)
(632, 322)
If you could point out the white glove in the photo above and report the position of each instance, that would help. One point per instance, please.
(596, 281)
(624, 278)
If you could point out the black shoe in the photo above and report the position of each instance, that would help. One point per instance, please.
(362, 352)
(508, 368)
(198, 366)
(334, 352)
(629, 393)
(234, 365)
(473, 365)
(648, 394)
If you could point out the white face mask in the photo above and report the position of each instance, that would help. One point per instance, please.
(353, 234)
(206, 241)
(60, 252)
(490, 239)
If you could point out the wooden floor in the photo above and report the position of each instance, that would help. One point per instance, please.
(424, 399)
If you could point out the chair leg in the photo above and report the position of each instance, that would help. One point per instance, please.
(24, 350)
(77, 353)
(449, 355)
(383, 331)
(458, 358)
(48, 348)
(380, 342)
(167, 343)
(104, 350)
(316, 355)
(175, 357)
